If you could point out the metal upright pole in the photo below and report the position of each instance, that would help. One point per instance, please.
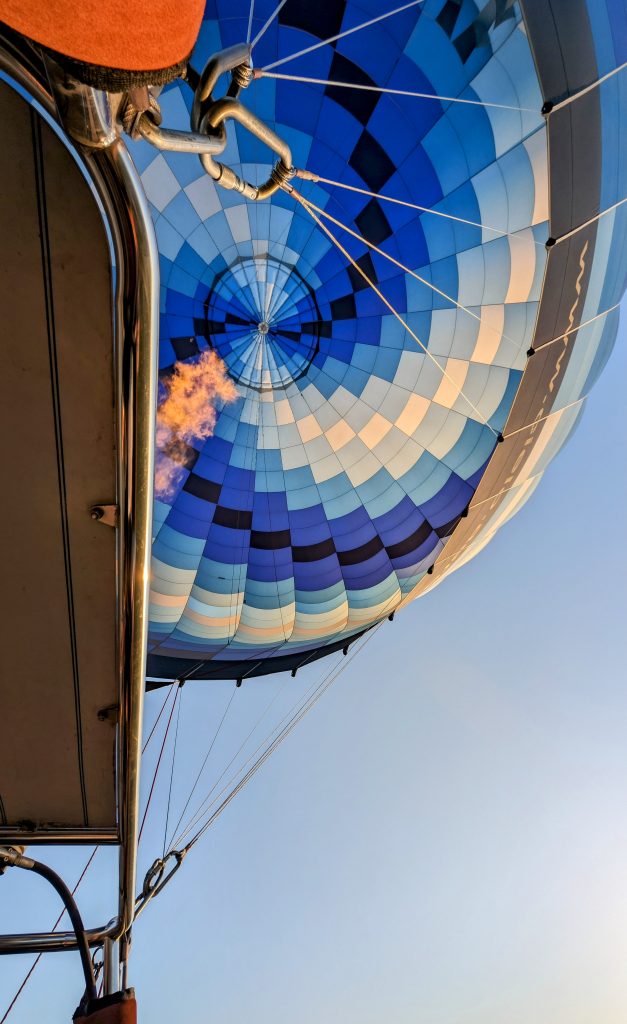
(111, 966)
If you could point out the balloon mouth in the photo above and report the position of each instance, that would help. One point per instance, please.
(263, 320)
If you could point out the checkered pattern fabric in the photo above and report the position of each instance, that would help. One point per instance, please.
(335, 481)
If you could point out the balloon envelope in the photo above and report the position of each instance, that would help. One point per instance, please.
(361, 461)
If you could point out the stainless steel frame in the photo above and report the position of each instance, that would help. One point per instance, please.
(113, 177)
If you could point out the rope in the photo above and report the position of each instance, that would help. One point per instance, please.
(587, 89)
(267, 24)
(296, 716)
(295, 710)
(198, 813)
(202, 767)
(586, 323)
(541, 419)
(53, 929)
(389, 305)
(156, 771)
(176, 736)
(340, 35)
(285, 732)
(412, 273)
(593, 220)
(308, 176)
(498, 494)
(286, 718)
(250, 20)
(265, 73)
(145, 746)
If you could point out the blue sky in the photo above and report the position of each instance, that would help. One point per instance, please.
(443, 839)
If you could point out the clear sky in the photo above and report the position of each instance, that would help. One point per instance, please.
(444, 838)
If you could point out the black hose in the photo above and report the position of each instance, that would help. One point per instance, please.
(74, 914)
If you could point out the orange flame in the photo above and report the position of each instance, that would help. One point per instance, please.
(188, 413)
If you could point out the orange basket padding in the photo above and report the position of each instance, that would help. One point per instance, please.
(143, 36)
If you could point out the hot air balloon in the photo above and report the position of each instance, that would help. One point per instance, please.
(390, 249)
(420, 304)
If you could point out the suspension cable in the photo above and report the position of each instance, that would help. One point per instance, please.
(199, 812)
(541, 419)
(498, 494)
(586, 89)
(296, 718)
(156, 771)
(391, 308)
(255, 755)
(266, 73)
(573, 330)
(207, 755)
(548, 109)
(340, 35)
(176, 736)
(157, 878)
(145, 746)
(297, 713)
(588, 223)
(406, 270)
(309, 176)
(250, 20)
(310, 697)
(263, 31)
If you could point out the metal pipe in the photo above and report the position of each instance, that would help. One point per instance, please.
(54, 942)
(115, 180)
(137, 308)
(68, 836)
(111, 979)
(125, 949)
(87, 115)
